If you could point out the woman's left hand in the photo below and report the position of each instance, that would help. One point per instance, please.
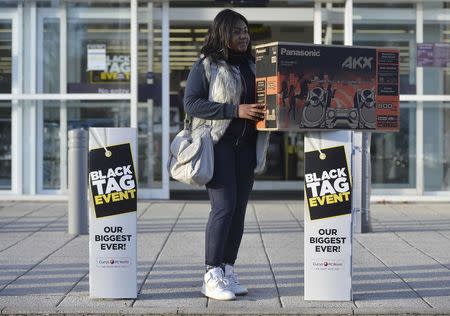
(254, 112)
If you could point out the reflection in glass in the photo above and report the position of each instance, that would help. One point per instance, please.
(436, 146)
(393, 155)
(149, 106)
(241, 3)
(5, 146)
(332, 27)
(99, 54)
(50, 51)
(285, 157)
(150, 146)
(370, 29)
(5, 56)
(437, 31)
(5, 107)
(80, 114)
(85, 114)
(51, 143)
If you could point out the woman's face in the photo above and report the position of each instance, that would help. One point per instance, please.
(239, 37)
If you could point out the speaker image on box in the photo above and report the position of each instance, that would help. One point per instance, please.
(313, 114)
(365, 103)
(342, 118)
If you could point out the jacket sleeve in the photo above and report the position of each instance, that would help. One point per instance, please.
(196, 101)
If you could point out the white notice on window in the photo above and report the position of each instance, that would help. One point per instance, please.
(96, 57)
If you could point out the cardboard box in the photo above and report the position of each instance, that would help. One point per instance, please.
(320, 87)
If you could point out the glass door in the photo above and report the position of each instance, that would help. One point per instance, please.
(154, 112)
(49, 170)
(8, 108)
(86, 89)
(5, 106)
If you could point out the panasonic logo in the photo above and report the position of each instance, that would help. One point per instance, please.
(305, 53)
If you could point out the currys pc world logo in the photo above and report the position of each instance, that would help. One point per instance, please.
(330, 265)
(113, 262)
(357, 62)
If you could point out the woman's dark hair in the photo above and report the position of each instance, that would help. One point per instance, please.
(219, 34)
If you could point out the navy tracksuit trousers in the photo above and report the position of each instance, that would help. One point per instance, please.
(229, 190)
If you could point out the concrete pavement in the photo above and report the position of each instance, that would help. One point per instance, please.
(401, 267)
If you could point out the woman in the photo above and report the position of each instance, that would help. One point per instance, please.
(220, 91)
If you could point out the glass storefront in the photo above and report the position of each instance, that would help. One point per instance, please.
(150, 107)
(388, 30)
(5, 107)
(49, 79)
(5, 146)
(85, 38)
(436, 31)
(5, 56)
(74, 68)
(393, 155)
(242, 3)
(51, 147)
(93, 28)
(437, 146)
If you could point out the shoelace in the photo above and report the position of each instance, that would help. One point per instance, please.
(233, 278)
(220, 281)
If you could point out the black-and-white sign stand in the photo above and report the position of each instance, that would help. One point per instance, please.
(112, 214)
(328, 216)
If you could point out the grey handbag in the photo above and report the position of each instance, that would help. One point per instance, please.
(191, 160)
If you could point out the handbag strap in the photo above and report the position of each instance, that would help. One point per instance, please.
(187, 121)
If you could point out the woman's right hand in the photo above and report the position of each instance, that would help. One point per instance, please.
(253, 112)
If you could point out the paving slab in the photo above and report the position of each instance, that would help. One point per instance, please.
(422, 273)
(173, 280)
(430, 243)
(375, 285)
(18, 211)
(401, 267)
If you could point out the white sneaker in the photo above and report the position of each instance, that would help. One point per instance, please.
(216, 286)
(234, 284)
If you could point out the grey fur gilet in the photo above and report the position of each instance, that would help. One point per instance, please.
(225, 87)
